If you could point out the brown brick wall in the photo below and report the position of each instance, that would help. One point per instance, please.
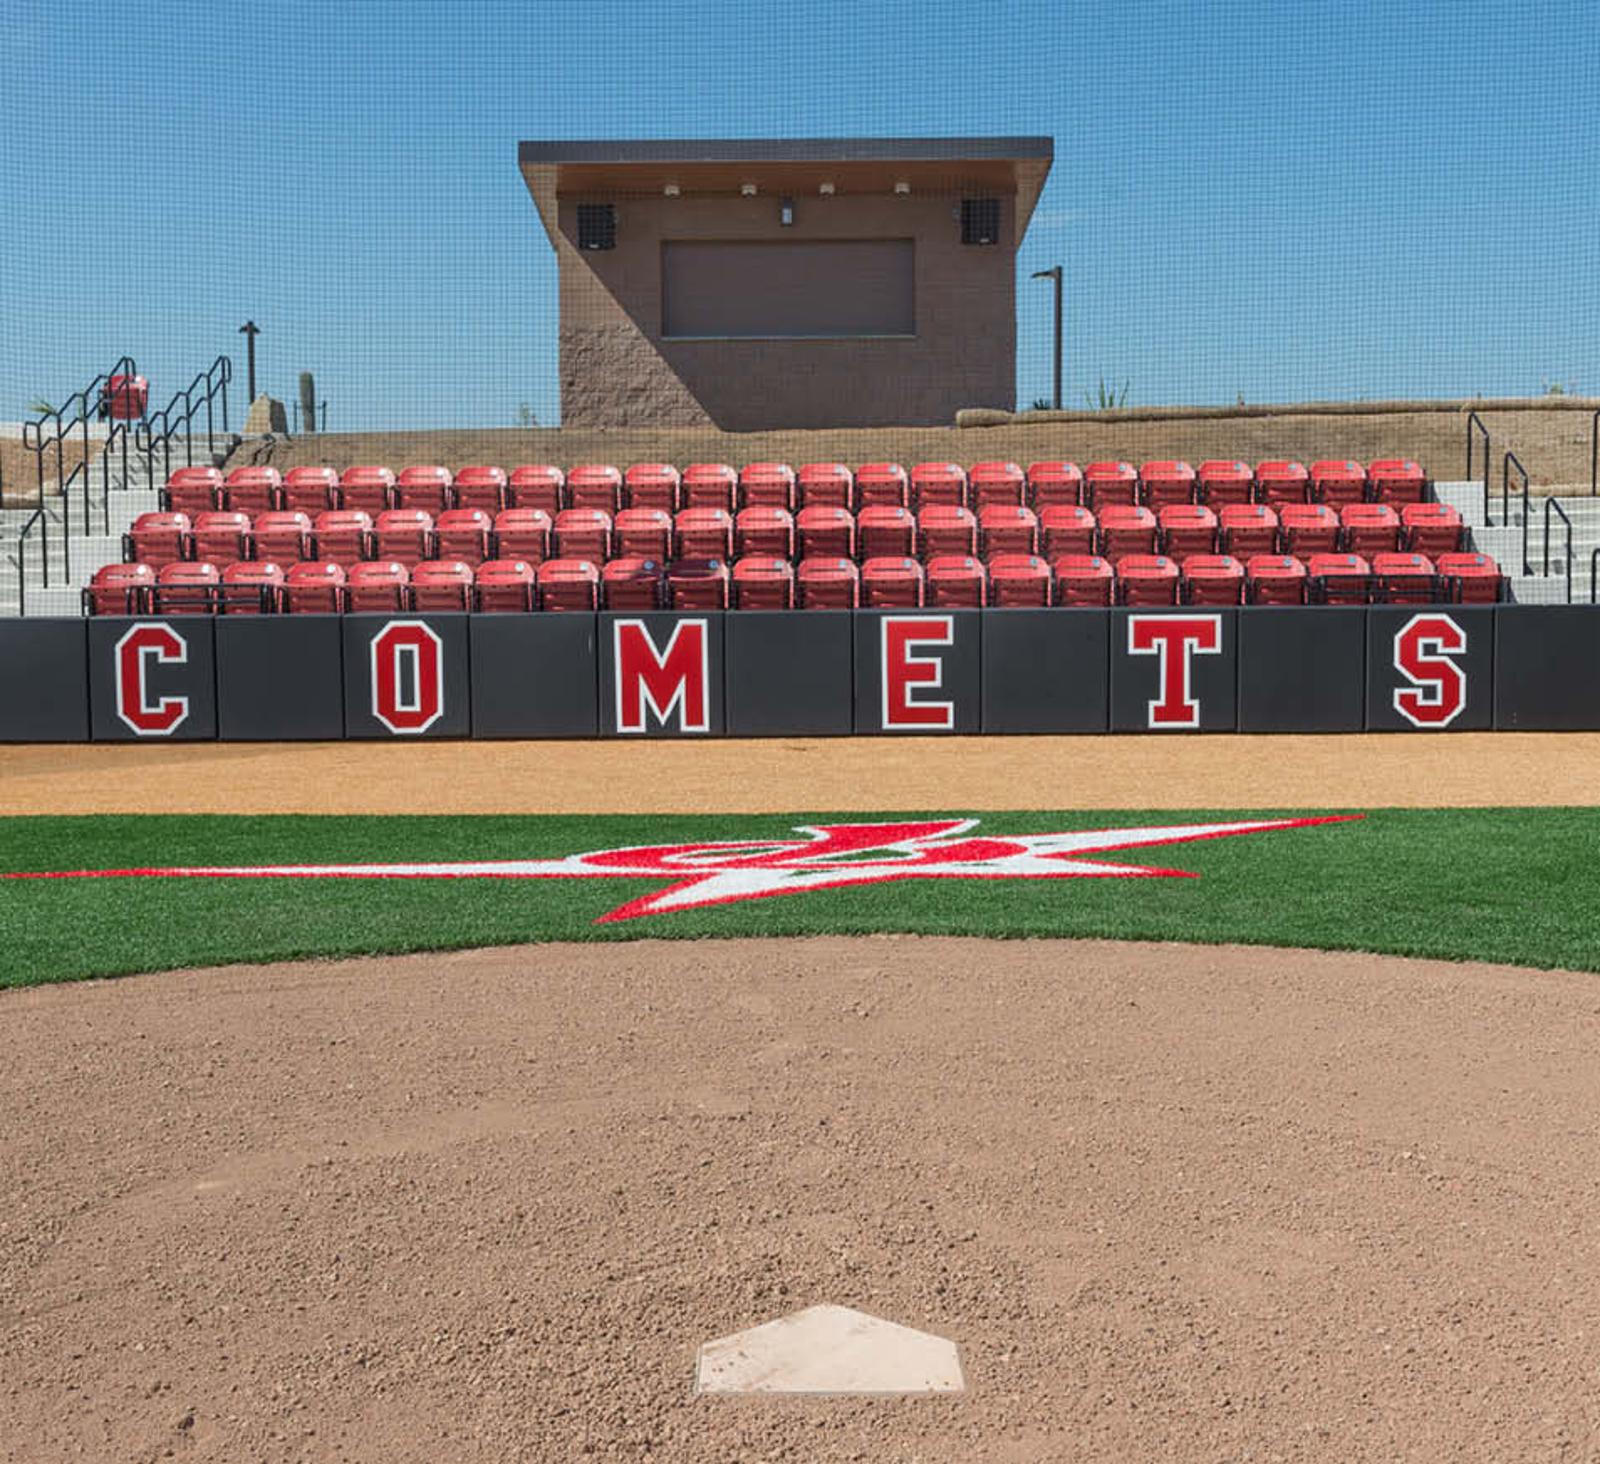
(618, 370)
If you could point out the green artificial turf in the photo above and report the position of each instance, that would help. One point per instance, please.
(1511, 885)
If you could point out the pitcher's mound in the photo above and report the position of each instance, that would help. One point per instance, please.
(1169, 1203)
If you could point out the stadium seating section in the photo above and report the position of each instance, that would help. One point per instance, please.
(770, 537)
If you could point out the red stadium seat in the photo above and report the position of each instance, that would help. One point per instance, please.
(1430, 528)
(251, 587)
(252, 490)
(826, 583)
(1166, 482)
(537, 485)
(505, 586)
(765, 531)
(892, 582)
(767, 485)
(1275, 579)
(1280, 481)
(1472, 579)
(634, 582)
(404, 534)
(378, 586)
(483, 486)
(1246, 529)
(1369, 528)
(1147, 579)
(946, 529)
(283, 537)
(523, 533)
(1126, 528)
(1308, 528)
(882, 483)
(1211, 579)
(425, 486)
(1107, 483)
(826, 485)
(581, 533)
(367, 487)
(220, 537)
(885, 531)
(1218, 483)
(1407, 579)
(186, 589)
(763, 582)
(1339, 579)
(344, 535)
(703, 533)
(956, 582)
(463, 534)
(568, 584)
(697, 584)
(314, 588)
(1019, 582)
(120, 589)
(193, 491)
(996, 484)
(1008, 528)
(710, 485)
(1397, 481)
(156, 539)
(1084, 579)
(593, 486)
(642, 533)
(1053, 483)
(825, 533)
(1065, 528)
(1185, 529)
(653, 485)
(1338, 482)
(309, 490)
(944, 484)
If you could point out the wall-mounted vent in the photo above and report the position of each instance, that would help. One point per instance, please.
(980, 220)
(597, 226)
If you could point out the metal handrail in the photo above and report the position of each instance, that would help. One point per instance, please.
(1594, 452)
(1505, 502)
(1594, 574)
(1474, 420)
(1549, 503)
(200, 392)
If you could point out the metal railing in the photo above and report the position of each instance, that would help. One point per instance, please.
(1594, 452)
(1594, 574)
(322, 417)
(1551, 503)
(176, 419)
(1506, 464)
(1475, 421)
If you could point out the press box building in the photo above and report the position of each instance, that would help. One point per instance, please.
(824, 282)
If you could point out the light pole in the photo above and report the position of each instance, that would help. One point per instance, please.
(1054, 273)
(250, 330)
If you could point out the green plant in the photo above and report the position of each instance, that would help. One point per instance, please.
(39, 407)
(1107, 398)
(308, 401)
(1042, 404)
(1555, 388)
(525, 416)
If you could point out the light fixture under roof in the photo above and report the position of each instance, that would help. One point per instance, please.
(748, 189)
(671, 190)
(901, 186)
(825, 189)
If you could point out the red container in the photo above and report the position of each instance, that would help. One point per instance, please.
(126, 398)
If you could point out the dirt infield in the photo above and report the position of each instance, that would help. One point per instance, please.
(1171, 1202)
(1465, 770)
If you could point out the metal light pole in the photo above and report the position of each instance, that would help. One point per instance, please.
(1054, 273)
(250, 330)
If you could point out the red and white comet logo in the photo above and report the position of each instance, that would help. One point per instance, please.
(828, 856)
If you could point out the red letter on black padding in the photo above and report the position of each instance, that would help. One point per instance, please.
(1173, 639)
(670, 683)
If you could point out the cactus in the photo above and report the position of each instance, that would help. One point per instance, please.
(308, 402)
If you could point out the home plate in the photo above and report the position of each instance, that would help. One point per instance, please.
(829, 1349)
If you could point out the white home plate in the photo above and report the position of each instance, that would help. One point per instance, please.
(829, 1349)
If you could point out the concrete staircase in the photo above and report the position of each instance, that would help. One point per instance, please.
(1501, 536)
(74, 557)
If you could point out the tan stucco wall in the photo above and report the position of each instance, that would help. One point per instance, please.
(618, 370)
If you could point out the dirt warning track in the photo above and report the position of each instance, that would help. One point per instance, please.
(842, 775)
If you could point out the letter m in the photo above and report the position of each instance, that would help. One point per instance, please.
(668, 685)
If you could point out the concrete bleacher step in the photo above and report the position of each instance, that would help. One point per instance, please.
(1500, 534)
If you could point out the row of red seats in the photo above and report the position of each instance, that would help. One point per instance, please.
(435, 489)
(412, 535)
(764, 582)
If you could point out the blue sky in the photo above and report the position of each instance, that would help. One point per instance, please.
(1280, 199)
